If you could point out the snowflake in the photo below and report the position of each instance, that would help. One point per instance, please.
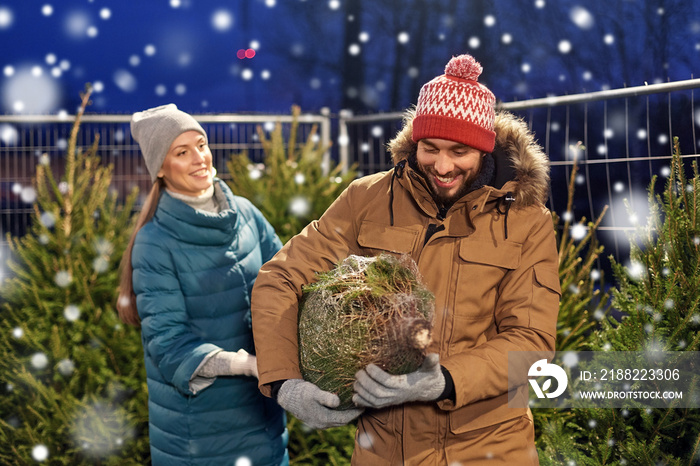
(39, 361)
(40, 452)
(63, 278)
(71, 312)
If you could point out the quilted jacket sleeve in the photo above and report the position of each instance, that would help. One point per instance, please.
(166, 334)
(269, 242)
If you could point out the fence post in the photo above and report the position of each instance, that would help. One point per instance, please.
(344, 139)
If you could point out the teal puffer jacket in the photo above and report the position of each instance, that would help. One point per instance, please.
(193, 274)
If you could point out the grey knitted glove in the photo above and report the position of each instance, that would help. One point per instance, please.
(375, 388)
(230, 363)
(313, 406)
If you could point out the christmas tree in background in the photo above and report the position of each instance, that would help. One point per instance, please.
(292, 186)
(73, 382)
(584, 300)
(658, 294)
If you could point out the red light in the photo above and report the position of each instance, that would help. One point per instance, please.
(241, 54)
(250, 53)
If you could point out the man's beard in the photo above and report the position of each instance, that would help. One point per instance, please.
(443, 200)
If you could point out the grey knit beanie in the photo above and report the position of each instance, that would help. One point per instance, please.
(155, 130)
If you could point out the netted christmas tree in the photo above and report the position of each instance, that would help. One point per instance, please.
(292, 186)
(366, 310)
(658, 294)
(72, 376)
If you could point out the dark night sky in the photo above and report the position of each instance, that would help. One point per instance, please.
(368, 55)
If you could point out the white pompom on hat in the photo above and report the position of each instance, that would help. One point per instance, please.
(155, 130)
(456, 107)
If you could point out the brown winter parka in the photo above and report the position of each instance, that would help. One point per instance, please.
(491, 262)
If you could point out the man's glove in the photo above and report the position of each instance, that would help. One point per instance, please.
(375, 388)
(313, 406)
(230, 363)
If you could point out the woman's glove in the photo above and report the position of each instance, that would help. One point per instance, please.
(375, 388)
(230, 363)
(313, 406)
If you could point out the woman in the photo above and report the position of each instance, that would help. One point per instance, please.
(187, 275)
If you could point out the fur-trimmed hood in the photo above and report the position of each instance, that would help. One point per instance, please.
(517, 156)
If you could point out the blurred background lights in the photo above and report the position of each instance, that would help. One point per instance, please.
(245, 53)
(6, 17)
(8, 134)
(222, 20)
(582, 17)
(124, 80)
(299, 206)
(578, 232)
(76, 24)
(29, 90)
(564, 46)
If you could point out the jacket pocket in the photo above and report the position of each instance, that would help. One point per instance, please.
(380, 237)
(546, 291)
(548, 278)
(480, 269)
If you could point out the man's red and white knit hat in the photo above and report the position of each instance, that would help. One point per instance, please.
(456, 107)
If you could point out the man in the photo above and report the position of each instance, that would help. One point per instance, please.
(465, 200)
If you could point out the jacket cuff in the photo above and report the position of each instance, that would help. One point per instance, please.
(275, 387)
(448, 393)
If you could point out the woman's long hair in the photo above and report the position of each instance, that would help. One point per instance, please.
(126, 302)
